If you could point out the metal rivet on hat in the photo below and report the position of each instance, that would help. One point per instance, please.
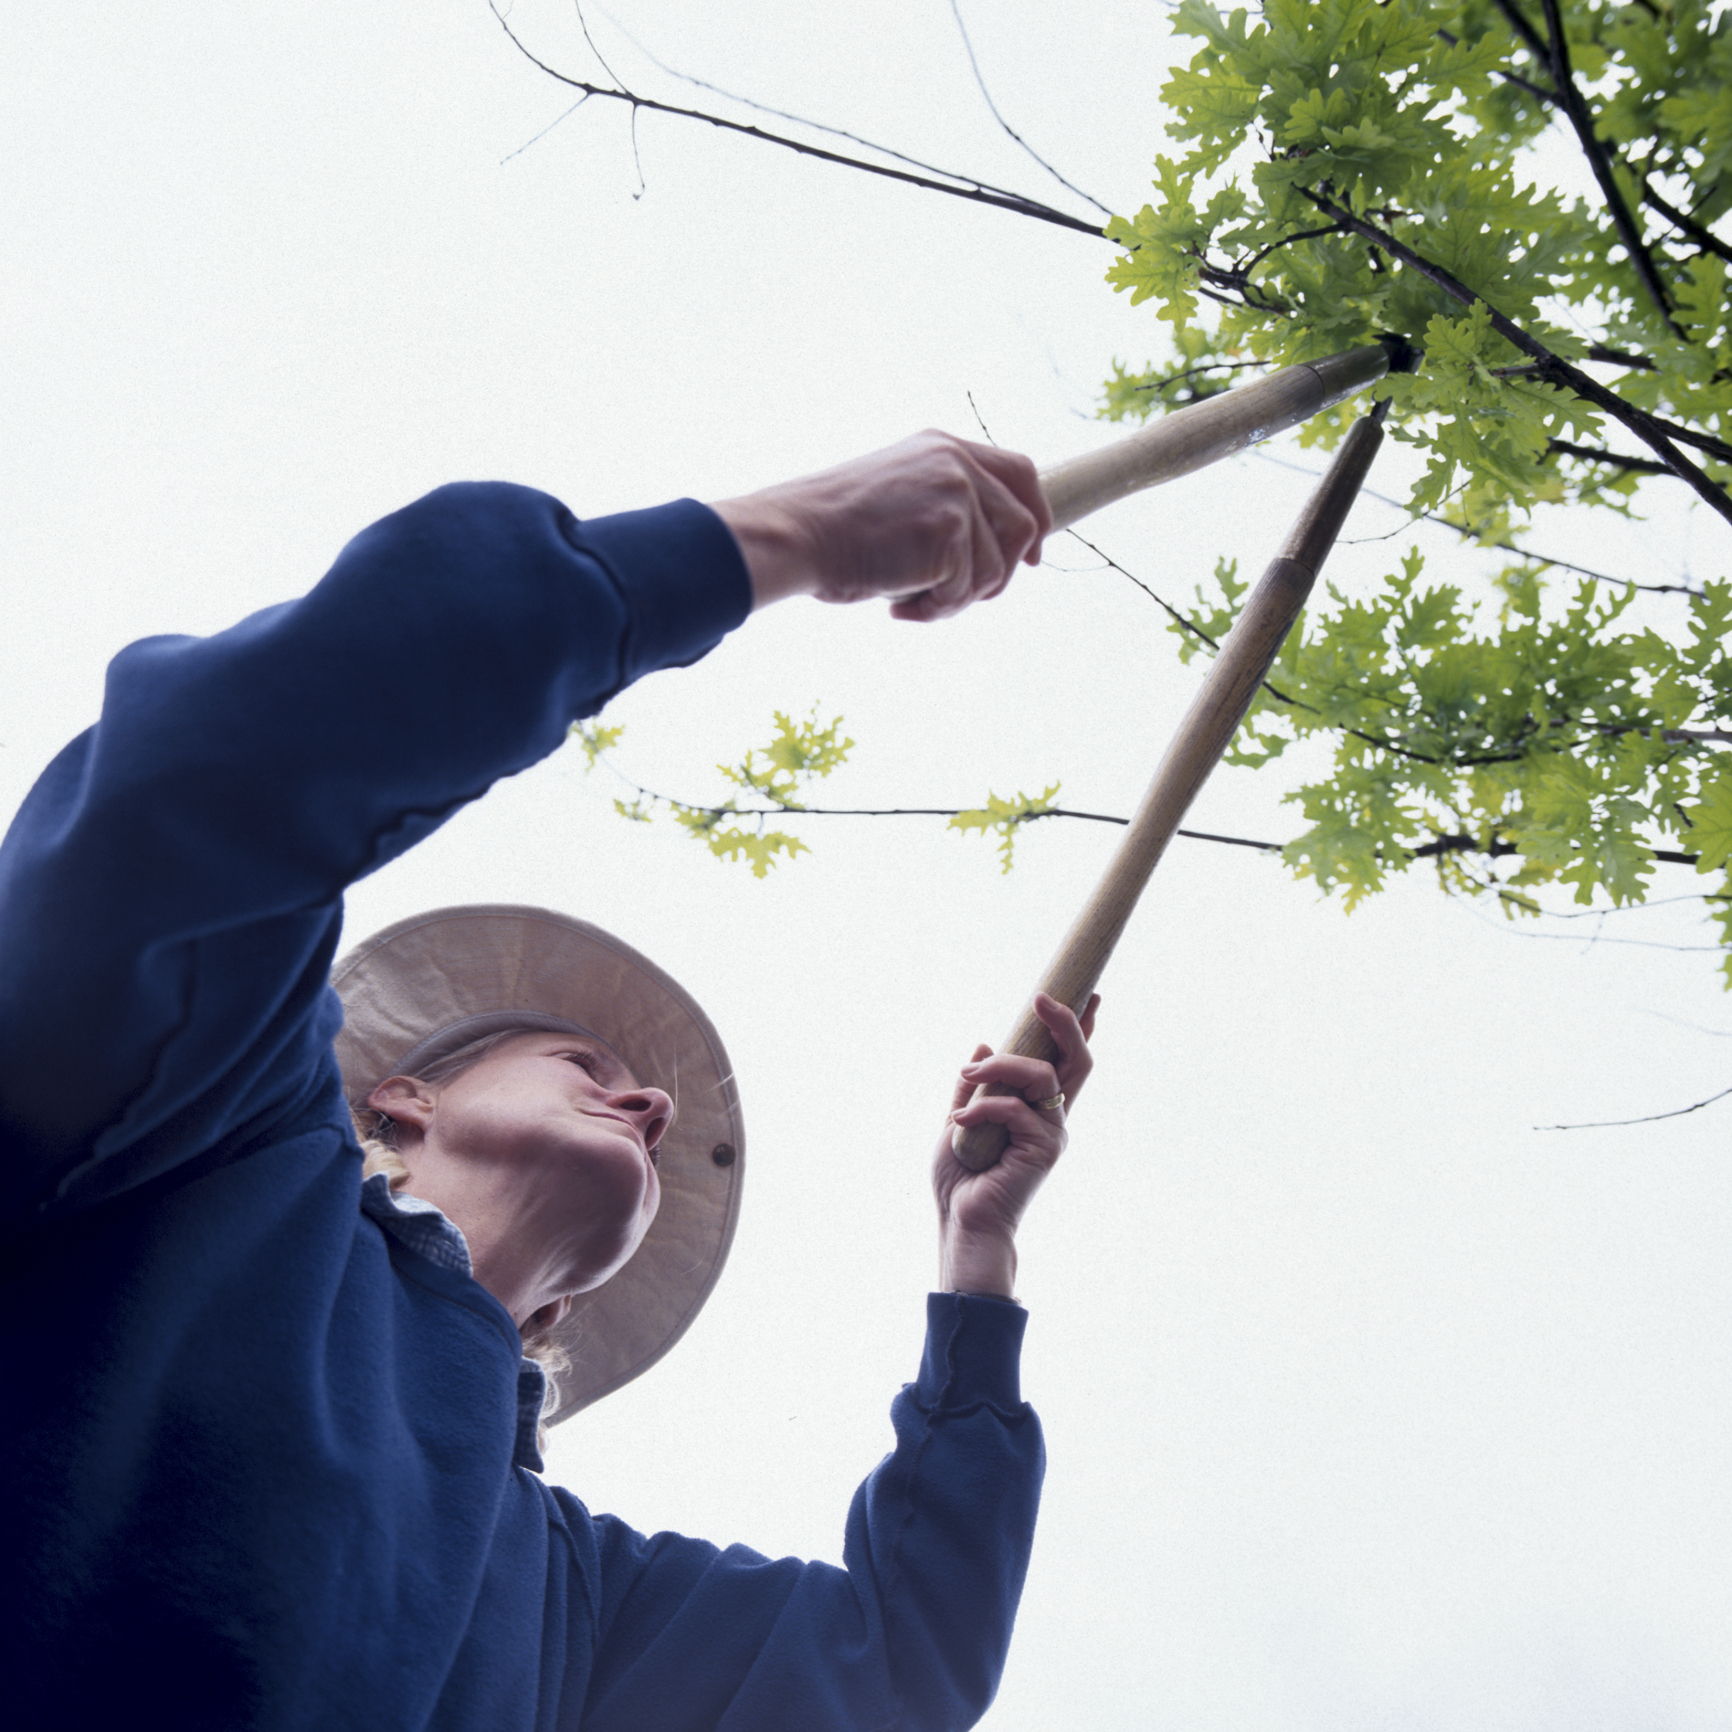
(723, 1154)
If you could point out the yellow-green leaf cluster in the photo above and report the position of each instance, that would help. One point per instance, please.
(1005, 818)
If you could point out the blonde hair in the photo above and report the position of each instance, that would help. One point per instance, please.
(376, 1132)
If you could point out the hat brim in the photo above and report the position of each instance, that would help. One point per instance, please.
(433, 982)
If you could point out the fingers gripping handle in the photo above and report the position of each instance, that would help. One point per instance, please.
(1209, 725)
(978, 1147)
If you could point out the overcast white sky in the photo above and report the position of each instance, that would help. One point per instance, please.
(1368, 1405)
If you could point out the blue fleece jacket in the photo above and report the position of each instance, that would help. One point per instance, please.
(256, 1458)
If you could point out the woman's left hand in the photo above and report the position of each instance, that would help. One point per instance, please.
(978, 1213)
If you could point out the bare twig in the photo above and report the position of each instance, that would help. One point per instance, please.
(601, 61)
(957, 186)
(565, 115)
(806, 121)
(1010, 131)
(1646, 1119)
(1468, 533)
(1192, 372)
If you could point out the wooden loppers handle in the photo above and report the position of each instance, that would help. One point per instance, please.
(1202, 433)
(1209, 725)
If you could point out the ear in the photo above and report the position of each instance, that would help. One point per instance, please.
(404, 1098)
(554, 1312)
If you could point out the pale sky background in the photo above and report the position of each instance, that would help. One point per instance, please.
(1368, 1406)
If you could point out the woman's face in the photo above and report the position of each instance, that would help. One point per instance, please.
(562, 1122)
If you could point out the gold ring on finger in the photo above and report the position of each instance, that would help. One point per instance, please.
(1051, 1104)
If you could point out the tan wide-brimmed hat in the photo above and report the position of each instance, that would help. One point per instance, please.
(421, 989)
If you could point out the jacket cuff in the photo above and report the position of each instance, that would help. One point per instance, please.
(682, 575)
(973, 1353)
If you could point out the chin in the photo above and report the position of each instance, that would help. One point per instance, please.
(609, 1256)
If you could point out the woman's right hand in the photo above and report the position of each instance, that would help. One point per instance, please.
(935, 523)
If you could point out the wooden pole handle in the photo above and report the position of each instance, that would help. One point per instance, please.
(1201, 434)
(1209, 725)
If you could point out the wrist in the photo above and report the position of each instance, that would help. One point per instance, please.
(983, 1265)
(770, 541)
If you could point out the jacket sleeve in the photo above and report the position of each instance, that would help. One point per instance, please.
(911, 1634)
(170, 890)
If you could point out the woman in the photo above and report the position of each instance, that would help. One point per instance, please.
(271, 1452)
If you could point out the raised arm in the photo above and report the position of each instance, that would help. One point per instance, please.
(170, 890)
(912, 1634)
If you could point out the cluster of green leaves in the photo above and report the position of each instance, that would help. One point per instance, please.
(1005, 818)
(1567, 743)
(799, 752)
(1350, 167)
(1419, 119)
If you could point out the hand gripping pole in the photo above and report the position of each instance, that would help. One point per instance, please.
(1209, 725)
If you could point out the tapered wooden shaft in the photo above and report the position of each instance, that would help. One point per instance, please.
(1194, 437)
(1203, 736)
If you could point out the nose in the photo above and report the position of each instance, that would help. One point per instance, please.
(650, 1110)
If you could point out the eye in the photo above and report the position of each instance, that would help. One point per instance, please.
(585, 1060)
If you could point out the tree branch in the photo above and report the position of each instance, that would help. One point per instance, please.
(1646, 427)
(1704, 238)
(1575, 107)
(1594, 454)
(1646, 1119)
(1192, 372)
(1010, 131)
(1519, 24)
(1514, 78)
(956, 186)
(1243, 271)
(965, 187)
(1623, 358)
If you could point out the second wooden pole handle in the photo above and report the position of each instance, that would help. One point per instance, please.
(1203, 737)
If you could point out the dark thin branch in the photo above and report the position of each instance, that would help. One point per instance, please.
(1623, 358)
(1646, 427)
(601, 61)
(1575, 107)
(976, 192)
(1593, 454)
(1508, 77)
(1191, 373)
(1010, 131)
(1647, 1119)
(1689, 436)
(1704, 238)
(780, 811)
(1244, 270)
(803, 120)
(1468, 533)
(1519, 24)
